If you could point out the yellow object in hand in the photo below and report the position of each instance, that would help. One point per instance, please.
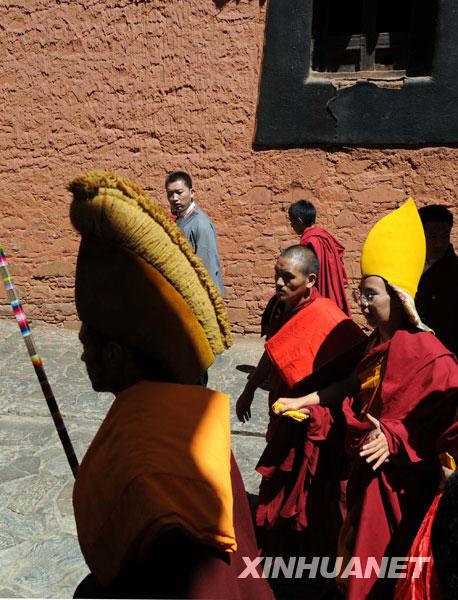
(297, 415)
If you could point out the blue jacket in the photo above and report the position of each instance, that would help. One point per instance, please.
(200, 233)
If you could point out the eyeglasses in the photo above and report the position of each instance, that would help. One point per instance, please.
(366, 297)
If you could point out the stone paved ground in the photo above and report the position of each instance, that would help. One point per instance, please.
(39, 553)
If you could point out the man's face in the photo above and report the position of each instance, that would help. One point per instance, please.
(179, 197)
(92, 356)
(291, 284)
(378, 306)
(297, 226)
(437, 235)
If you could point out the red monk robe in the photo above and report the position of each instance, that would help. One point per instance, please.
(425, 585)
(415, 402)
(298, 453)
(332, 278)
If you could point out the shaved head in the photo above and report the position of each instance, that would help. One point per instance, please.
(304, 256)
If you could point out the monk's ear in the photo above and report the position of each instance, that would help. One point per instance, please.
(311, 280)
(113, 354)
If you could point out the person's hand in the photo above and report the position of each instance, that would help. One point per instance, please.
(376, 447)
(243, 406)
(372, 435)
(299, 404)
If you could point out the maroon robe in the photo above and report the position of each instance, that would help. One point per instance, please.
(417, 400)
(332, 278)
(299, 453)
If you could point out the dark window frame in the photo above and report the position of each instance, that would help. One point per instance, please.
(298, 107)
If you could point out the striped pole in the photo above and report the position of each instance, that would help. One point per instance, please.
(37, 362)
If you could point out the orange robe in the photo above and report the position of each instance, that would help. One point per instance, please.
(155, 492)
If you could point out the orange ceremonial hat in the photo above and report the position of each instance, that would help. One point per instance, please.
(138, 280)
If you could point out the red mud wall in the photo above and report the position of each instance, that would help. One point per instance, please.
(144, 87)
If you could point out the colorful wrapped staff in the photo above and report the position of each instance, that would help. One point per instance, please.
(37, 362)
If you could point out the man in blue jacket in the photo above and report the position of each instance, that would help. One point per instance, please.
(194, 223)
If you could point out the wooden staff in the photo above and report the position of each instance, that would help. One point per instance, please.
(37, 362)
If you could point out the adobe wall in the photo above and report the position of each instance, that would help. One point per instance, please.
(145, 87)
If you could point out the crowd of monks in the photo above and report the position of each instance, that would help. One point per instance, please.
(362, 439)
(360, 424)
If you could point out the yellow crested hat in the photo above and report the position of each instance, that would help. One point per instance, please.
(138, 280)
(395, 248)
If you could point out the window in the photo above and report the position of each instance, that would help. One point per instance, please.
(373, 38)
(311, 49)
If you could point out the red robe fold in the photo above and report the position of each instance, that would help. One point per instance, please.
(302, 487)
(426, 586)
(418, 399)
(332, 278)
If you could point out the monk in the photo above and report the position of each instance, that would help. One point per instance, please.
(302, 343)
(399, 400)
(332, 279)
(437, 295)
(160, 507)
(305, 319)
